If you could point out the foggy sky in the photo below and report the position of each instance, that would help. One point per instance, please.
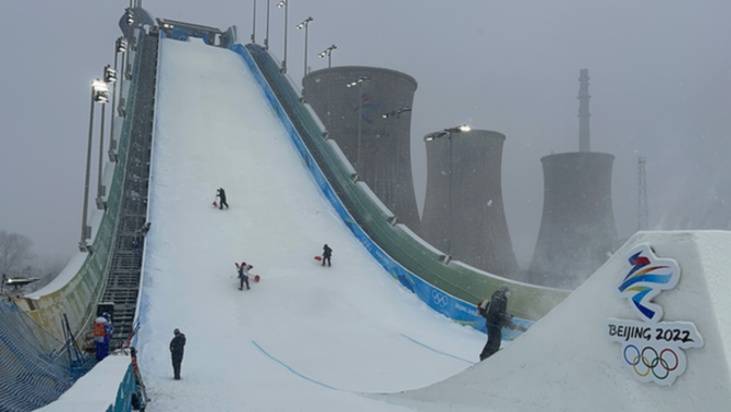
(660, 82)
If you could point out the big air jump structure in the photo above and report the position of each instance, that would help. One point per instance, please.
(577, 231)
(463, 209)
(367, 111)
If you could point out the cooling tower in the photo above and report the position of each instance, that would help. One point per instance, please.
(463, 210)
(577, 231)
(367, 111)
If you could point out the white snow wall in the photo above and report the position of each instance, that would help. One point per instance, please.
(567, 361)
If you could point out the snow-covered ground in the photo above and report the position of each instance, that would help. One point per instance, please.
(96, 390)
(313, 338)
(567, 362)
(305, 337)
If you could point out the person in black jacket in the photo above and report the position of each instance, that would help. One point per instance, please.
(326, 255)
(176, 351)
(221, 194)
(496, 317)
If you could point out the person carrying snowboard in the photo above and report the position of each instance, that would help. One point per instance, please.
(176, 352)
(221, 195)
(496, 317)
(326, 255)
(244, 275)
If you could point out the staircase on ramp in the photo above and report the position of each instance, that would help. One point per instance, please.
(123, 281)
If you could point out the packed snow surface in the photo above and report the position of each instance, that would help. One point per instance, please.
(566, 362)
(306, 337)
(94, 391)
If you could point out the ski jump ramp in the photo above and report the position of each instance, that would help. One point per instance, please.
(305, 335)
(650, 330)
(345, 338)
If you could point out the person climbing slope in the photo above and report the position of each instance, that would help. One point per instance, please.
(221, 195)
(244, 274)
(496, 317)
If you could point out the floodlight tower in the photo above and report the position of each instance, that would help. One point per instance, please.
(99, 94)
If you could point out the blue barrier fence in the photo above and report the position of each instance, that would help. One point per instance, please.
(128, 386)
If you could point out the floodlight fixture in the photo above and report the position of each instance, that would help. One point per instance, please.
(121, 45)
(110, 75)
(100, 91)
(396, 113)
(449, 132)
(357, 82)
(304, 23)
(328, 53)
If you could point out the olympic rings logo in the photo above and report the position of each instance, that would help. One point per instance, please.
(439, 298)
(648, 360)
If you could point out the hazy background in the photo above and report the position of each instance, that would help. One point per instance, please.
(661, 77)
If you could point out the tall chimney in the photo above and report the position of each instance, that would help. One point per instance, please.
(584, 115)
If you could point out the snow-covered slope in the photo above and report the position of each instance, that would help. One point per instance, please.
(568, 362)
(304, 338)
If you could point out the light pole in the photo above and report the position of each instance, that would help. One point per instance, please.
(305, 24)
(285, 5)
(266, 35)
(449, 133)
(110, 77)
(396, 113)
(253, 26)
(328, 53)
(124, 50)
(120, 46)
(99, 94)
(358, 83)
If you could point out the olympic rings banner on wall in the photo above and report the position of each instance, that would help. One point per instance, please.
(653, 350)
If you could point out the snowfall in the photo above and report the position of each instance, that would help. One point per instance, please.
(348, 337)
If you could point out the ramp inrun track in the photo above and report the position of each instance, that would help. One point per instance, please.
(305, 336)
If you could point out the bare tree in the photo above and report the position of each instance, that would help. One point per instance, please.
(15, 252)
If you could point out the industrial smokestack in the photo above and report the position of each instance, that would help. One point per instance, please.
(463, 210)
(577, 231)
(584, 114)
(367, 111)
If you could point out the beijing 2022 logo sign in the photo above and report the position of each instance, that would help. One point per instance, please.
(653, 350)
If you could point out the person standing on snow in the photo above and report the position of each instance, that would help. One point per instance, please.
(496, 317)
(102, 335)
(244, 275)
(221, 195)
(176, 352)
(326, 255)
